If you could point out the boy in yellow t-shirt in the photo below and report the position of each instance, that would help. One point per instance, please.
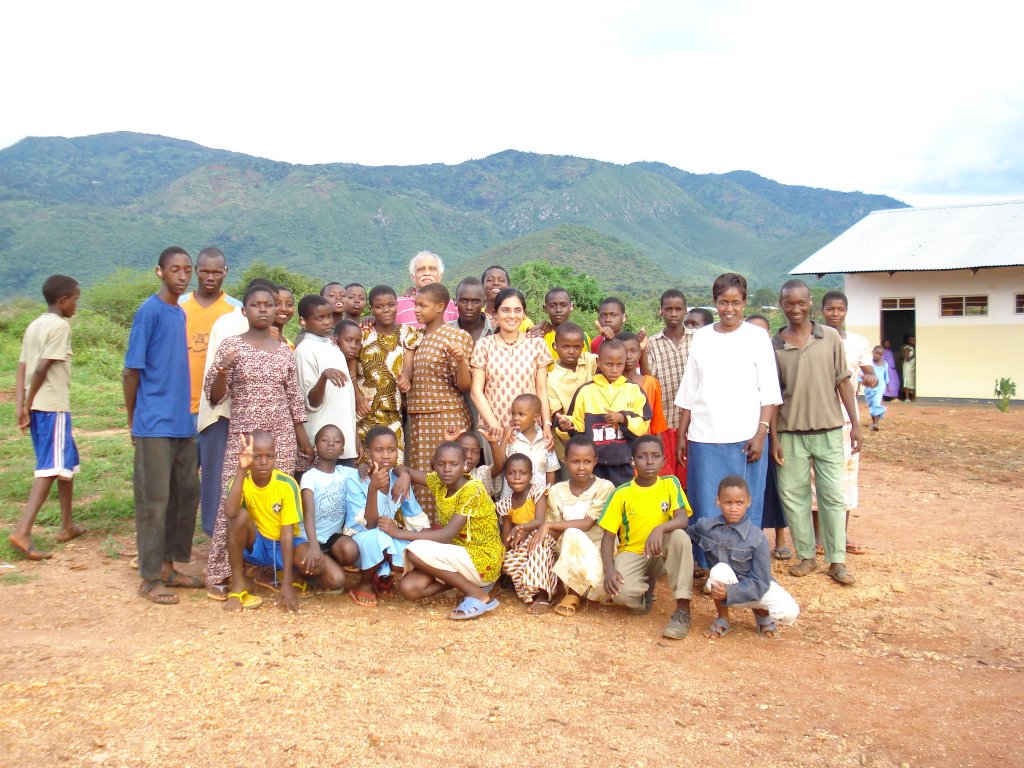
(264, 510)
(643, 518)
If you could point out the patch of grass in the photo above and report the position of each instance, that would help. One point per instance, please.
(13, 577)
(112, 548)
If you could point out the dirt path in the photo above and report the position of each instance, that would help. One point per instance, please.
(919, 663)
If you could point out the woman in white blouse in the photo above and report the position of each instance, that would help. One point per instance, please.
(729, 392)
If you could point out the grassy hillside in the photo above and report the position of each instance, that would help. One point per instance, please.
(89, 205)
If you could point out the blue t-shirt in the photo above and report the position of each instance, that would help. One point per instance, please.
(158, 350)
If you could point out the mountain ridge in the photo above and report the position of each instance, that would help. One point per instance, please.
(96, 202)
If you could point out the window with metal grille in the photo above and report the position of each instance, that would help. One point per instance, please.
(963, 306)
(1018, 304)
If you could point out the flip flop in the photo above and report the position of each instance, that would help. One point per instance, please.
(73, 533)
(274, 585)
(537, 607)
(782, 553)
(363, 599)
(146, 590)
(178, 579)
(246, 600)
(31, 553)
(856, 549)
(471, 608)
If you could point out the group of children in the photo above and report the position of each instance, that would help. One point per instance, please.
(595, 513)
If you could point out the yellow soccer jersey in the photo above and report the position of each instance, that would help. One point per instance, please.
(633, 511)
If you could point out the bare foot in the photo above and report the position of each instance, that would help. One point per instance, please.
(24, 545)
(67, 534)
(156, 592)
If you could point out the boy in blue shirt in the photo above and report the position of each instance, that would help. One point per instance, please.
(741, 564)
(42, 402)
(157, 398)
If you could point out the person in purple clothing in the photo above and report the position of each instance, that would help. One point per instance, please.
(892, 387)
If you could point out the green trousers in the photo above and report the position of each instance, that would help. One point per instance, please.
(825, 450)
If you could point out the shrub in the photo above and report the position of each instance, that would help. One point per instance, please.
(120, 294)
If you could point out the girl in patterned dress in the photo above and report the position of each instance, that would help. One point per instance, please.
(385, 367)
(440, 376)
(466, 552)
(257, 371)
(530, 559)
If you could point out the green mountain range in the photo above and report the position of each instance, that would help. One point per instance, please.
(88, 205)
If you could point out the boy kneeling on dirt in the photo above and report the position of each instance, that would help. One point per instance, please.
(741, 564)
(264, 509)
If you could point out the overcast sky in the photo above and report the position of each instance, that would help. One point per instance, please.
(922, 101)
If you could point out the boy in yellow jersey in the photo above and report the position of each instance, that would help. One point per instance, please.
(264, 512)
(645, 518)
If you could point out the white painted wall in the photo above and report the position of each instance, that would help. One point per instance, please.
(866, 291)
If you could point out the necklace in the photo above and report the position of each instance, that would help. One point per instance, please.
(513, 342)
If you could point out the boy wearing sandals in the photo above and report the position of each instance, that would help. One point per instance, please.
(741, 568)
(646, 517)
(264, 511)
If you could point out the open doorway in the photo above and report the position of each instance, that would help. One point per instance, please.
(898, 321)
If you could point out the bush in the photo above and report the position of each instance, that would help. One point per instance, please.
(99, 342)
(120, 294)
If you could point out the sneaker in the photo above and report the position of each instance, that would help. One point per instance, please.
(678, 626)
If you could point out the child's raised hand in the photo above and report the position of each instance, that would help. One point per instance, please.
(403, 383)
(379, 480)
(565, 423)
(642, 337)
(613, 583)
(492, 435)
(275, 332)
(227, 362)
(452, 434)
(245, 454)
(604, 330)
(336, 377)
(538, 330)
(614, 418)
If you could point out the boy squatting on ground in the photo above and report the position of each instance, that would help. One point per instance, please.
(741, 565)
(42, 403)
(264, 511)
(643, 516)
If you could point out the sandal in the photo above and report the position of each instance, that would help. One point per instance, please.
(156, 592)
(840, 575)
(363, 599)
(31, 552)
(782, 553)
(177, 579)
(537, 607)
(246, 600)
(274, 585)
(383, 585)
(471, 608)
(856, 549)
(568, 606)
(719, 628)
(766, 626)
(804, 567)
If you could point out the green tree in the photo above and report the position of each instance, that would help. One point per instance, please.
(119, 295)
(297, 283)
(764, 297)
(536, 278)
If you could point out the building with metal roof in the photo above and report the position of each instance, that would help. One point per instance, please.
(951, 278)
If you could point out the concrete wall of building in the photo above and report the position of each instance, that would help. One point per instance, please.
(956, 356)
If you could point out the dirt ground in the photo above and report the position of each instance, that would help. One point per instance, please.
(918, 664)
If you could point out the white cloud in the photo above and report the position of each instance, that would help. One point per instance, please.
(911, 99)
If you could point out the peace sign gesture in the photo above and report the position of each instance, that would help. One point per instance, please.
(245, 454)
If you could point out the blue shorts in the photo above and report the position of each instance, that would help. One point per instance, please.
(266, 553)
(56, 452)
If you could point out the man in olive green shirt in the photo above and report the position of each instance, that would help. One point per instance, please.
(808, 427)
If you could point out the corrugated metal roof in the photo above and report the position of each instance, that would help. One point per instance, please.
(926, 239)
